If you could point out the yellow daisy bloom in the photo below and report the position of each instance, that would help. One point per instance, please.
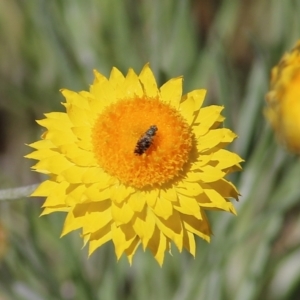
(136, 164)
(283, 100)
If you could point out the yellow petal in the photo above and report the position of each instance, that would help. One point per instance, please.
(137, 201)
(71, 223)
(50, 210)
(103, 90)
(45, 188)
(217, 201)
(189, 189)
(138, 224)
(55, 123)
(97, 216)
(193, 176)
(75, 194)
(187, 109)
(214, 138)
(78, 116)
(169, 194)
(203, 159)
(57, 195)
(171, 91)
(122, 237)
(116, 78)
(119, 192)
(210, 140)
(149, 228)
(60, 137)
(83, 133)
(78, 156)
(92, 110)
(151, 197)
(163, 208)
(74, 174)
(148, 82)
(95, 107)
(208, 115)
(158, 245)
(121, 213)
(130, 251)
(95, 174)
(199, 130)
(189, 242)
(172, 228)
(198, 96)
(100, 237)
(41, 154)
(225, 159)
(196, 226)
(60, 117)
(225, 188)
(210, 174)
(42, 144)
(54, 164)
(131, 86)
(75, 99)
(188, 206)
(95, 192)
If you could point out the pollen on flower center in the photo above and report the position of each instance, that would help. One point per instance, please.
(123, 124)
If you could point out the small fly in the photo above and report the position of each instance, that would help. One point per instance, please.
(145, 141)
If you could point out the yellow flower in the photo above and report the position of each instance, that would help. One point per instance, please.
(283, 100)
(135, 164)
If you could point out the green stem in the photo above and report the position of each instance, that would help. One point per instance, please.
(17, 193)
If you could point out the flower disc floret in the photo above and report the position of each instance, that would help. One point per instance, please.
(118, 129)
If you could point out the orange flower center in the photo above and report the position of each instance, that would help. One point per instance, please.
(141, 141)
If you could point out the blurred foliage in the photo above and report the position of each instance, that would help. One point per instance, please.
(225, 46)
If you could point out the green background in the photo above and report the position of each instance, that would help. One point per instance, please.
(227, 47)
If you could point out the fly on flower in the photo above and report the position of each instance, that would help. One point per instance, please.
(145, 140)
(108, 192)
